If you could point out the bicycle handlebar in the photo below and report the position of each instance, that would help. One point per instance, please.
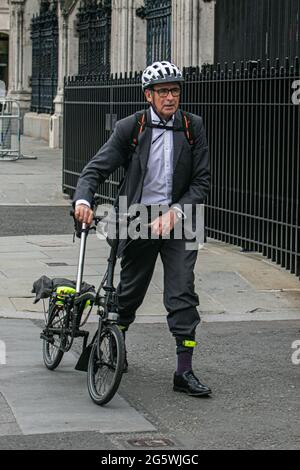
(78, 225)
(122, 219)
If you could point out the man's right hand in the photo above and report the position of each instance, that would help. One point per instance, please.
(84, 214)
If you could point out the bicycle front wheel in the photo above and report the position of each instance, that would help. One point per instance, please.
(106, 365)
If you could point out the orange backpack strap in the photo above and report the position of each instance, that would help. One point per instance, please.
(139, 128)
(188, 127)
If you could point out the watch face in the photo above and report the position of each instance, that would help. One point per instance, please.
(178, 214)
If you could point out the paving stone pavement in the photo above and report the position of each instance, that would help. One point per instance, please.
(250, 309)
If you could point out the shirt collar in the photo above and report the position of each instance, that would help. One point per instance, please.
(156, 119)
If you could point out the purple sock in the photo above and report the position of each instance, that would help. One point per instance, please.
(184, 362)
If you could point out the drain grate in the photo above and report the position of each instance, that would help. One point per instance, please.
(154, 442)
(57, 264)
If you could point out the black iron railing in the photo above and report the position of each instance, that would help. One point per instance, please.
(256, 28)
(92, 105)
(252, 119)
(44, 36)
(94, 30)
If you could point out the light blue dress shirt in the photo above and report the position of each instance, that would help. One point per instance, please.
(157, 187)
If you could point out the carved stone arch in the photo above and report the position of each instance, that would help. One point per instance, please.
(68, 6)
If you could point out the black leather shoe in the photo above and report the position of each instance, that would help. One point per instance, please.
(188, 383)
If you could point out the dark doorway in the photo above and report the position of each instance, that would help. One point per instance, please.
(4, 58)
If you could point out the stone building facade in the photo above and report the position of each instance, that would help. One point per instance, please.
(191, 38)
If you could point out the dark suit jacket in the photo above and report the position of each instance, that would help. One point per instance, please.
(191, 171)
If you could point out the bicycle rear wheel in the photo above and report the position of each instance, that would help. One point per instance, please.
(105, 370)
(57, 339)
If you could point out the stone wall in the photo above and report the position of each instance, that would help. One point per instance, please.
(20, 52)
(73, 42)
(128, 37)
(4, 16)
(192, 32)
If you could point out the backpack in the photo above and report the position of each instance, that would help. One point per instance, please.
(141, 123)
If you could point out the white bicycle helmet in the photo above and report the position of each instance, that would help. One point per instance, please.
(160, 72)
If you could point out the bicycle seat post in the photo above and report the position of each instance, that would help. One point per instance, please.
(81, 258)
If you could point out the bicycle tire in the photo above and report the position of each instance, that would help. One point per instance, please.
(112, 349)
(53, 354)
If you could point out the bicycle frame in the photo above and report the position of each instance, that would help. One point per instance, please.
(107, 304)
(107, 282)
(84, 234)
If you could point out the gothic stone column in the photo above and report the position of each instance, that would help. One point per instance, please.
(18, 87)
(56, 120)
(128, 37)
(192, 32)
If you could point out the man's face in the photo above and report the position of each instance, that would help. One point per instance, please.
(162, 98)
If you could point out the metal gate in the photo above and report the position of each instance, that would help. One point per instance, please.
(94, 30)
(158, 16)
(44, 36)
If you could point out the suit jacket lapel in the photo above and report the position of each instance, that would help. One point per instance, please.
(178, 139)
(145, 142)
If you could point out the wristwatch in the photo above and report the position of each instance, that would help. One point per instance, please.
(179, 213)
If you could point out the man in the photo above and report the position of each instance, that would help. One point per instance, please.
(163, 169)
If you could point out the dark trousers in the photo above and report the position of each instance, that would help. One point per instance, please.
(180, 299)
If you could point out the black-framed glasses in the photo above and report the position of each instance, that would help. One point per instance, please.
(163, 92)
